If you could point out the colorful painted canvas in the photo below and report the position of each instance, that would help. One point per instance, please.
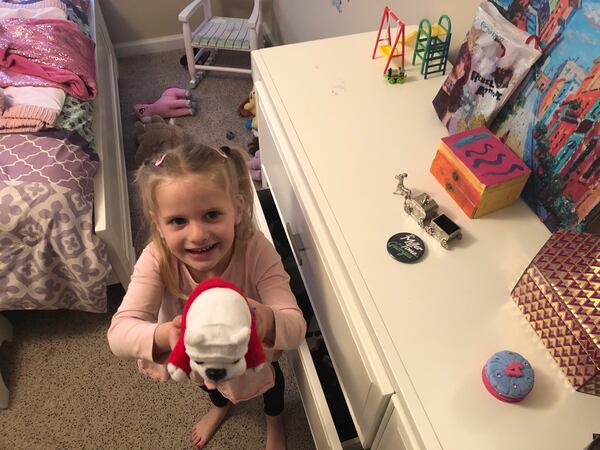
(552, 120)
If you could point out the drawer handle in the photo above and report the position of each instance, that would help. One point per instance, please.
(454, 175)
(296, 242)
(448, 187)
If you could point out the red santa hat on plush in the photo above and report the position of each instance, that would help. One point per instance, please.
(218, 338)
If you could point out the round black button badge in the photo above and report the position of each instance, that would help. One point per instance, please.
(406, 247)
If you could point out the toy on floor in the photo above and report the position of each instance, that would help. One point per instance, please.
(250, 107)
(254, 162)
(155, 136)
(251, 124)
(219, 340)
(254, 166)
(253, 146)
(173, 102)
(241, 109)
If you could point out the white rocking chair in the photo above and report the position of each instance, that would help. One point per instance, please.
(218, 33)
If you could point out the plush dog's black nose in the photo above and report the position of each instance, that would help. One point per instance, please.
(216, 374)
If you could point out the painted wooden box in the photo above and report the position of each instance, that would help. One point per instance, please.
(479, 172)
(559, 294)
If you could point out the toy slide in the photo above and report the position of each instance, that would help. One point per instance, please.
(436, 30)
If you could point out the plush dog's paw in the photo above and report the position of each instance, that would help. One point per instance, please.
(176, 373)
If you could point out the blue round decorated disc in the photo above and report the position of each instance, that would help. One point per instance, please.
(510, 374)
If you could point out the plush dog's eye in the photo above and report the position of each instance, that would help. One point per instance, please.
(236, 361)
(199, 362)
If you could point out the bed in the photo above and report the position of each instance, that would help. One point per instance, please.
(64, 211)
(65, 229)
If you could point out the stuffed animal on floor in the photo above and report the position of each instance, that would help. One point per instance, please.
(241, 109)
(173, 102)
(155, 136)
(253, 146)
(254, 166)
(219, 340)
(250, 107)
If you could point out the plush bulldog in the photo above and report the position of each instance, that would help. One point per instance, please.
(155, 137)
(218, 338)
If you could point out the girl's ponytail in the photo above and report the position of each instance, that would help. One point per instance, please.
(237, 160)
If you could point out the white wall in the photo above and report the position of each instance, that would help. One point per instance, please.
(288, 21)
(293, 21)
(147, 26)
(135, 20)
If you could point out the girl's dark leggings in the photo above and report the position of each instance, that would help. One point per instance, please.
(273, 398)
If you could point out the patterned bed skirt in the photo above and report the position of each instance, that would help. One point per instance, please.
(50, 257)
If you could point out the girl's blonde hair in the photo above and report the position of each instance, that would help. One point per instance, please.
(225, 166)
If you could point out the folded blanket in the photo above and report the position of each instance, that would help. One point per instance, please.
(32, 13)
(28, 109)
(33, 4)
(77, 10)
(47, 52)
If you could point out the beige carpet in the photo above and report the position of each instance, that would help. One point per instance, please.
(67, 389)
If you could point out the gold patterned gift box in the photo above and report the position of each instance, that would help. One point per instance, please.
(559, 295)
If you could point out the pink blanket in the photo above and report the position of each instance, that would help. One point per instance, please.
(47, 52)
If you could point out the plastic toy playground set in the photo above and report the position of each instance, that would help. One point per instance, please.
(430, 45)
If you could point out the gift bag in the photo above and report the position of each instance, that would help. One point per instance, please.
(491, 62)
(559, 294)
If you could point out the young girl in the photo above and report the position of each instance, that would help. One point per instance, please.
(198, 201)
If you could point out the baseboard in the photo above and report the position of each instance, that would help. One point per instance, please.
(168, 43)
(145, 46)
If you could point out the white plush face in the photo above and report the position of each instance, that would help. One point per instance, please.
(216, 370)
(219, 362)
(217, 334)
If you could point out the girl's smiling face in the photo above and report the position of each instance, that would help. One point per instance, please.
(197, 219)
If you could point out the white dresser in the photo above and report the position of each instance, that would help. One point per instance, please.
(408, 342)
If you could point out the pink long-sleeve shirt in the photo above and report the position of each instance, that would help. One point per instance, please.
(255, 267)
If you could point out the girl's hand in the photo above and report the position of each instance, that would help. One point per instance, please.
(265, 321)
(166, 335)
(174, 331)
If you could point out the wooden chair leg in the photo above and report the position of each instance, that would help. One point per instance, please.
(189, 53)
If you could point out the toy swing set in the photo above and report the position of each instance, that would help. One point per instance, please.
(430, 44)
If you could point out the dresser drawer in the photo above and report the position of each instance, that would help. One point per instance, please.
(362, 377)
(315, 405)
(395, 431)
